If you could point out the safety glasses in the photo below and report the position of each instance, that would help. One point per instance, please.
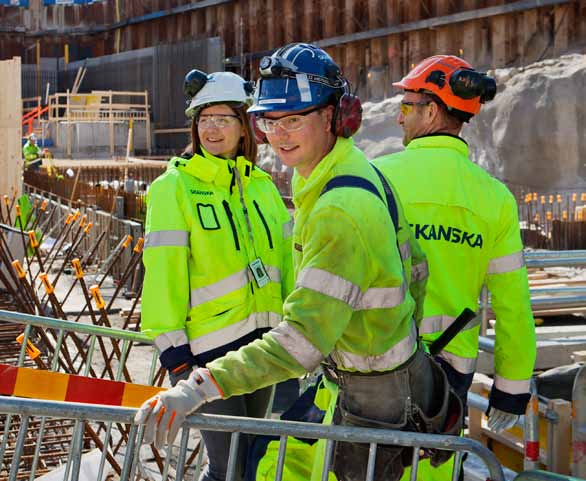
(291, 123)
(407, 107)
(220, 121)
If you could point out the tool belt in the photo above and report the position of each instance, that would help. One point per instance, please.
(414, 397)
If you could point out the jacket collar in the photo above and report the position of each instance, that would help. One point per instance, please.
(435, 141)
(305, 189)
(210, 168)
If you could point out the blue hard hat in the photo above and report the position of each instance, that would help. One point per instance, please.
(295, 77)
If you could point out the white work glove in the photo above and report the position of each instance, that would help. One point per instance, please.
(164, 413)
(499, 421)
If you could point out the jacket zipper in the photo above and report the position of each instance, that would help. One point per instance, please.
(231, 220)
(264, 222)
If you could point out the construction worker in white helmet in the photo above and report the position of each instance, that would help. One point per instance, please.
(467, 223)
(217, 253)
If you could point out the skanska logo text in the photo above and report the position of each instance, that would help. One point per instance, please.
(448, 234)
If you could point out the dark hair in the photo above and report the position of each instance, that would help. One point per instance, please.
(247, 147)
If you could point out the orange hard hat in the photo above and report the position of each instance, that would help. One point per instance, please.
(461, 88)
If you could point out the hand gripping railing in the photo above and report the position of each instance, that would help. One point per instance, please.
(87, 412)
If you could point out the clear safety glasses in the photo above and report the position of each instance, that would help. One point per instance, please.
(217, 120)
(291, 123)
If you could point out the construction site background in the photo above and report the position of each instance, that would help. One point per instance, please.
(101, 85)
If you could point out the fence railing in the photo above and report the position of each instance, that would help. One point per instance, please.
(27, 408)
(72, 348)
(119, 202)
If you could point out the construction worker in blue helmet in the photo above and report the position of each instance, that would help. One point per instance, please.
(354, 308)
(217, 253)
(467, 223)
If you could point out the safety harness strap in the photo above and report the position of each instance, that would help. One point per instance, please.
(362, 183)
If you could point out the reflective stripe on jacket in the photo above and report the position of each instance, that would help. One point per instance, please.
(198, 286)
(467, 223)
(351, 298)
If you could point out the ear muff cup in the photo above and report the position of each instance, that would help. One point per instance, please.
(347, 116)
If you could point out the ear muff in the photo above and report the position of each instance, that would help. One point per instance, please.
(260, 136)
(194, 81)
(347, 116)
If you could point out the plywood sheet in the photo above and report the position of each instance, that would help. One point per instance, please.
(10, 132)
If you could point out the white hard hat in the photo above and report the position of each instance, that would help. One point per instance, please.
(32, 137)
(218, 87)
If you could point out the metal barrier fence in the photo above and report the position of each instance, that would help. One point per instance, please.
(546, 299)
(70, 348)
(104, 418)
(82, 414)
(543, 476)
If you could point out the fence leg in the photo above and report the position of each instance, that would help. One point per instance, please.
(531, 431)
(579, 424)
(233, 456)
(475, 416)
(559, 437)
(18, 449)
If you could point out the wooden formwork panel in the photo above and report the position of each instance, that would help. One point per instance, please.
(252, 27)
(10, 130)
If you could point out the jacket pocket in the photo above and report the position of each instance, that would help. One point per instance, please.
(232, 224)
(207, 216)
(264, 223)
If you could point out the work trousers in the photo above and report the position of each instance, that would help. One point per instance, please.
(217, 443)
(414, 397)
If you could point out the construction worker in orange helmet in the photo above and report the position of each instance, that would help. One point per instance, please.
(467, 223)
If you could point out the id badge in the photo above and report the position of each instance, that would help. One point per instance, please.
(259, 273)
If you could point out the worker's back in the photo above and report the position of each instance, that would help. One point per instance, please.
(463, 218)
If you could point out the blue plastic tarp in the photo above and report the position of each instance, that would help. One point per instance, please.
(15, 3)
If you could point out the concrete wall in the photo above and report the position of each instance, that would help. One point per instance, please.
(92, 139)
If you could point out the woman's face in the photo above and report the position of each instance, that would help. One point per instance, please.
(220, 130)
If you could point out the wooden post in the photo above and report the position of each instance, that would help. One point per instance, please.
(559, 437)
(110, 123)
(68, 127)
(470, 39)
(148, 121)
(562, 19)
(10, 130)
(531, 47)
(499, 41)
(74, 187)
(310, 15)
(443, 34)
(579, 424)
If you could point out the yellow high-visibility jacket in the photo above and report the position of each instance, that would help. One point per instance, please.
(467, 223)
(208, 219)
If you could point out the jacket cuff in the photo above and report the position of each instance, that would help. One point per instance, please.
(510, 403)
(173, 357)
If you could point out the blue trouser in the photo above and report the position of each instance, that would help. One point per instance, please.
(217, 443)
